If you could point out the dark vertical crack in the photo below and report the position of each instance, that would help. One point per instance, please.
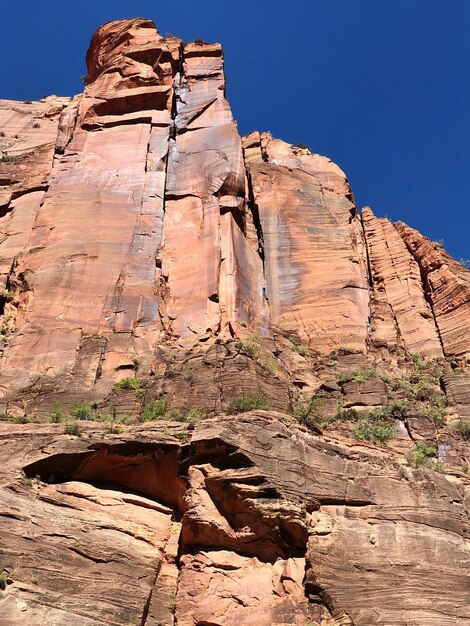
(369, 267)
(254, 209)
(149, 597)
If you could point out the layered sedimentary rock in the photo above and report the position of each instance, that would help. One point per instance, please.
(156, 267)
(448, 285)
(273, 528)
(403, 316)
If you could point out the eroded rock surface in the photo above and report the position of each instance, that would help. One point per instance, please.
(134, 216)
(246, 519)
(159, 272)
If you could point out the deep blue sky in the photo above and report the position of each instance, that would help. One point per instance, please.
(380, 86)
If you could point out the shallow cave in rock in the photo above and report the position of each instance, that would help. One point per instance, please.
(146, 469)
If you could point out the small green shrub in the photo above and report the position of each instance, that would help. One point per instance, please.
(85, 79)
(8, 158)
(297, 346)
(358, 376)
(250, 402)
(99, 371)
(251, 346)
(193, 416)
(57, 415)
(463, 428)
(189, 376)
(83, 411)
(346, 414)
(3, 581)
(302, 146)
(139, 393)
(36, 125)
(373, 431)
(155, 410)
(438, 416)
(419, 363)
(113, 421)
(72, 427)
(422, 456)
(341, 351)
(398, 408)
(307, 412)
(127, 383)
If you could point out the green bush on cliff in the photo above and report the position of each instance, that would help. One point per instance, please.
(358, 376)
(307, 412)
(155, 410)
(127, 383)
(422, 456)
(463, 428)
(250, 402)
(373, 431)
(7, 158)
(71, 427)
(57, 415)
(251, 346)
(194, 416)
(83, 411)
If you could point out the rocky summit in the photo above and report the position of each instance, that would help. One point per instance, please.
(228, 397)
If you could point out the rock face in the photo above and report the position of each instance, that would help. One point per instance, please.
(157, 267)
(448, 285)
(247, 521)
(316, 275)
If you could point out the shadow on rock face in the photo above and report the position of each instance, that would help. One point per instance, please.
(146, 469)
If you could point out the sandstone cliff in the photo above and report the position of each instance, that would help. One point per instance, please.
(157, 267)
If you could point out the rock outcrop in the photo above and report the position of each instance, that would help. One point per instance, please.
(246, 523)
(265, 392)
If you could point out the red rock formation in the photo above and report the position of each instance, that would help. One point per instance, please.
(143, 241)
(143, 229)
(448, 286)
(402, 314)
(316, 275)
(261, 537)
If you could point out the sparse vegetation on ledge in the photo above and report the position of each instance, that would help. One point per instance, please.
(249, 402)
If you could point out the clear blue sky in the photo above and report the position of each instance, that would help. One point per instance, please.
(380, 86)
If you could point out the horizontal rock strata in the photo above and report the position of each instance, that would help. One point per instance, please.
(264, 393)
(290, 527)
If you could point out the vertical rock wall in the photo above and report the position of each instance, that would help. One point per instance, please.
(132, 217)
(315, 265)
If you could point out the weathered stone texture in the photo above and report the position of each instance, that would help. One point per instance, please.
(142, 238)
(448, 285)
(278, 524)
(316, 275)
(398, 291)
